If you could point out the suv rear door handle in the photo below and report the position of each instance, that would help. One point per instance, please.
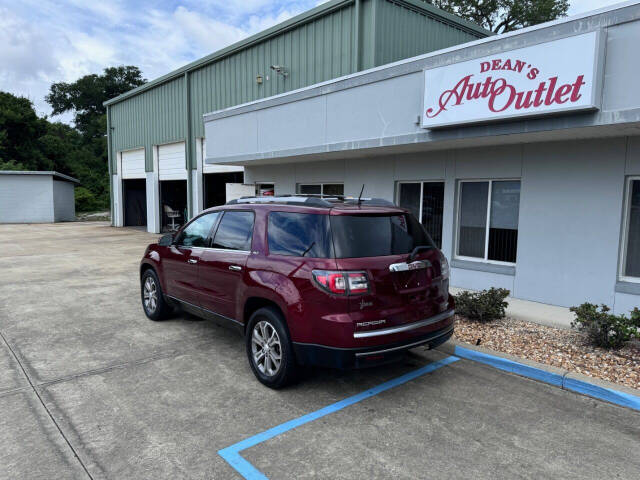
(192, 260)
(235, 268)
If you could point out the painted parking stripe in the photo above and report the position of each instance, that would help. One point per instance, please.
(247, 470)
(601, 393)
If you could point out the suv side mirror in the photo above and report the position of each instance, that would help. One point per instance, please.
(166, 240)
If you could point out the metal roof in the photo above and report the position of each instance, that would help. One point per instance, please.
(60, 176)
(286, 25)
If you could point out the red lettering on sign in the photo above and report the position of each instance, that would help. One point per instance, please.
(501, 95)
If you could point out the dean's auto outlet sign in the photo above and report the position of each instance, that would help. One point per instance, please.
(563, 75)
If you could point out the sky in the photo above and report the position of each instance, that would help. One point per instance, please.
(45, 41)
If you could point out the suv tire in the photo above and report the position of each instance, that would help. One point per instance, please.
(153, 303)
(269, 349)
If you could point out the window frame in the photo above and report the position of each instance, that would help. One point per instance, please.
(626, 212)
(217, 226)
(422, 182)
(268, 252)
(214, 228)
(258, 185)
(322, 184)
(488, 220)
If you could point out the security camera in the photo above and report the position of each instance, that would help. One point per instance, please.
(279, 69)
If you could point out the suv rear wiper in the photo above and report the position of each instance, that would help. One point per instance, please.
(307, 250)
(416, 251)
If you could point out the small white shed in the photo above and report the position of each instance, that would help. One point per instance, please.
(36, 197)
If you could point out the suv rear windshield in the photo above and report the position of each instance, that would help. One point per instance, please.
(356, 236)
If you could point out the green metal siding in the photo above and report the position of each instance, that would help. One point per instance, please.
(404, 31)
(154, 117)
(314, 47)
(368, 33)
(312, 53)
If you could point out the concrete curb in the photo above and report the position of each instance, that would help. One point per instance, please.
(575, 382)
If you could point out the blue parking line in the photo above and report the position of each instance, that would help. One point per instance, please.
(601, 393)
(247, 470)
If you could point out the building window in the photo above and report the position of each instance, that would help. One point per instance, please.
(488, 220)
(425, 200)
(265, 189)
(326, 189)
(631, 252)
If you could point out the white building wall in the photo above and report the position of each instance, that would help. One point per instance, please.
(116, 186)
(153, 196)
(26, 199)
(570, 217)
(64, 203)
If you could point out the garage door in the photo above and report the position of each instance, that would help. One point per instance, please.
(133, 164)
(171, 162)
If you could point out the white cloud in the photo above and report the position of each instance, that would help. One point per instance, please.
(44, 41)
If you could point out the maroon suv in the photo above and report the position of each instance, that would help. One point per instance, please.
(332, 282)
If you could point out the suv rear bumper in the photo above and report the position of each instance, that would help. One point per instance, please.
(344, 358)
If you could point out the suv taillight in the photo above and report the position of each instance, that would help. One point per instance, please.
(341, 283)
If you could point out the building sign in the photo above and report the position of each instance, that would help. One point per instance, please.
(559, 76)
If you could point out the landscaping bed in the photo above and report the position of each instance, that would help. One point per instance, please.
(567, 349)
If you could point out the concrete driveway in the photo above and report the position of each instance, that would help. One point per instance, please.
(89, 388)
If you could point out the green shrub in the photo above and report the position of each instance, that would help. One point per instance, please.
(603, 328)
(483, 306)
(87, 201)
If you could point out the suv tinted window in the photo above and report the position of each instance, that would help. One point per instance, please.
(235, 231)
(196, 234)
(299, 235)
(356, 236)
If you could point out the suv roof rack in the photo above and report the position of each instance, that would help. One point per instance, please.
(314, 200)
(284, 199)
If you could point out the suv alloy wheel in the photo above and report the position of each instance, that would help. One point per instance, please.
(153, 303)
(269, 348)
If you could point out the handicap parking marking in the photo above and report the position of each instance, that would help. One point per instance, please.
(232, 455)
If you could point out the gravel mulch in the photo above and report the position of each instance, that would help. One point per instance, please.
(565, 349)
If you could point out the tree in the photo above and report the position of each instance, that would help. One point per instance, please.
(20, 130)
(502, 16)
(86, 95)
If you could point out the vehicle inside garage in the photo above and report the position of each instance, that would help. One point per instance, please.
(215, 187)
(134, 192)
(173, 204)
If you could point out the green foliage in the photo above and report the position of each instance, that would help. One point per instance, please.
(87, 201)
(11, 165)
(603, 328)
(483, 306)
(20, 131)
(501, 16)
